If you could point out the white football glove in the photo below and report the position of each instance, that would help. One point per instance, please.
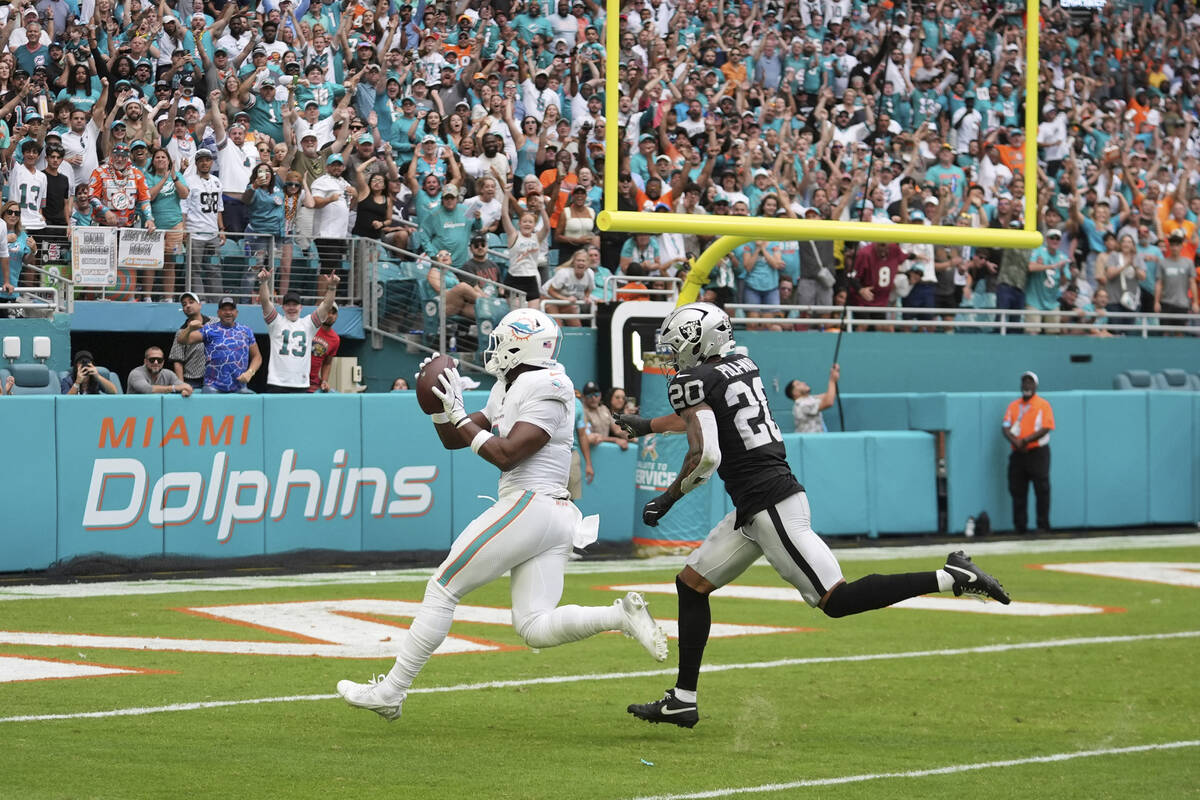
(425, 363)
(450, 393)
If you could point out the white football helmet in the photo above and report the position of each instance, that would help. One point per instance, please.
(694, 333)
(523, 336)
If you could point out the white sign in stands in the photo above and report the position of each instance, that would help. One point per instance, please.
(94, 256)
(140, 249)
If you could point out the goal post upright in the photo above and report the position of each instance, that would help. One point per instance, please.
(731, 232)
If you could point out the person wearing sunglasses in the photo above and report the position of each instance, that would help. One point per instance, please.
(151, 378)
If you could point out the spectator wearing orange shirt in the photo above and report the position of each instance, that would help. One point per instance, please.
(1027, 425)
(1177, 221)
(1013, 153)
(558, 183)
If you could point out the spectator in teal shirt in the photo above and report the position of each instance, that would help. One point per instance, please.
(447, 228)
(762, 262)
(168, 189)
(1047, 271)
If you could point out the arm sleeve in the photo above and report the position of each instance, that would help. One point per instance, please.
(547, 413)
(138, 383)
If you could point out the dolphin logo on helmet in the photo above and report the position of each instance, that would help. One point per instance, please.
(523, 336)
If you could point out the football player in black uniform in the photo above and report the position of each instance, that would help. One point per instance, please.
(719, 401)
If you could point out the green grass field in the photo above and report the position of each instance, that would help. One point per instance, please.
(785, 708)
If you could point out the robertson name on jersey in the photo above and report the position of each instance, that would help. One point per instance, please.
(753, 459)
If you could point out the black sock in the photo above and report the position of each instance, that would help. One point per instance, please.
(695, 619)
(876, 591)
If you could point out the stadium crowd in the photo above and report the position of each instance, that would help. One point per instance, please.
(473, 133)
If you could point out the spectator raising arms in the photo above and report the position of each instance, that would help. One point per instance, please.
(806, 409)
(290, 366)
(231, 356)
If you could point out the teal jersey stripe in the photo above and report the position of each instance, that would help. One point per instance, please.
(486, 536)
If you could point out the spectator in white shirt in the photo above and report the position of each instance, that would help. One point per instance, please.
(572, 283)
(203, 218)
(332, 197)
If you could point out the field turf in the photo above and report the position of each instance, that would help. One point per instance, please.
(1100, 705)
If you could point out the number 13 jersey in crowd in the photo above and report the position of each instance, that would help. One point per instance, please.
(753, 459)
(291, 349)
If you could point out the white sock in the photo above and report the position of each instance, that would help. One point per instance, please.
(684, 695)
(569, 624)
(428, 631)
(945, 580)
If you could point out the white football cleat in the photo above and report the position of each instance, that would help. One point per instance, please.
(641, 626)
(366, 695)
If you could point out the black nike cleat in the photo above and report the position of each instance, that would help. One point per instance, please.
(669, 709)
(970, 579)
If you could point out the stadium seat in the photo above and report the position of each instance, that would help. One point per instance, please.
(1172, 380)
(1133, 379)
(31, 379)
(431, 305)
(1194, 380)
(488, 313)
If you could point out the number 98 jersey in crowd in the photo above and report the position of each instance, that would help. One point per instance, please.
(753, 459)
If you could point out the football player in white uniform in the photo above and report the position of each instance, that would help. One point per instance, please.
(530, 530)
(291, 335)
(720, 402)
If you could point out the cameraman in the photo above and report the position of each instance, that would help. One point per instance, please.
(86, 379)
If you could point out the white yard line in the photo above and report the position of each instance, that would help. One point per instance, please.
(924, 773)
(659, 563)
(558, 679)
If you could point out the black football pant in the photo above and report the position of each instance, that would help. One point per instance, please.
(1024, 468)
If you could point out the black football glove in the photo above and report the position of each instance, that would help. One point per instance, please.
(633, 425)
(656, 509)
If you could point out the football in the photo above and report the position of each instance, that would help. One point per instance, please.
(430, 403)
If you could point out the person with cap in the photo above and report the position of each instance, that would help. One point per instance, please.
(187, 360)
(1027, 425)
(204, 219)
(151, 378)
(231, 356)
(1175, 287)
(138, 123)
(85, 378)
(1048, 267)
(598, 418)
(333, 197)
(237, 158)
(264, 109)
(325, 345)
(448, 227)
(118, 191)
(291, 335)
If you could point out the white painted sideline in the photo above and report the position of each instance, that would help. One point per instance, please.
(231, 584)
(924, 773)
(608, 676)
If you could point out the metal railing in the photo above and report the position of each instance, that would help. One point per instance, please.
(989, 320)
(405, 307)
(586, 318)
(33, 301)
(211, 267)
(611, 287)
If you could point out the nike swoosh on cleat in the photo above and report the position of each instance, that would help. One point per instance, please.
(971, 576)
(669, 711)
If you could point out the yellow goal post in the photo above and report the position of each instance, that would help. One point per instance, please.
(732, 232)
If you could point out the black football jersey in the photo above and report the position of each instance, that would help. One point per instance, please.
(753, 459)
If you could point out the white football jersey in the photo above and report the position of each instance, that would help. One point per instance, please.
(290, 361)
(546, 398)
